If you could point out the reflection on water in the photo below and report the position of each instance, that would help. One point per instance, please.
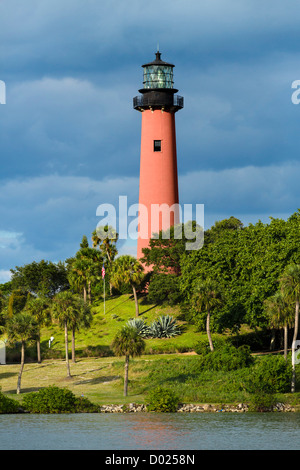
(197, 431)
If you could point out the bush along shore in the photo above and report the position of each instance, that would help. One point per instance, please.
(51, 400)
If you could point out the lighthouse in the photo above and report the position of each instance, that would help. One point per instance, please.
(158, 189)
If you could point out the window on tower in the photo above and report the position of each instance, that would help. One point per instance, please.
(157, 146)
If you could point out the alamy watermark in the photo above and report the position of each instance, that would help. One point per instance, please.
(296, 94)
(146, 225)
(2, 92)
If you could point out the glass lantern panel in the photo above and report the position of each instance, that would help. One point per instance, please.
(158, 76)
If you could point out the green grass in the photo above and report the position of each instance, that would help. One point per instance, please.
(101, 380)
(98, 375)
(96, 341)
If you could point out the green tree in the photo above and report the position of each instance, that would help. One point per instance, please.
(21, 327)
(81, 318)
(43, 278)
(129, 271)
(290, 285)
(167, 247)
(39, 309)
(106, 237)
(65, 309)
(16, 301)
(84, 270)
(206, 299)
(128, 343)
(280, 315)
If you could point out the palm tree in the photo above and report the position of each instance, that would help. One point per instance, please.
(84, 269)
(80, 317)
(63, 308)
(78, 275)
(106, 238)
(279, 313)
(39, 308)
(128, 343)
(290, 285)
(21, 327)
(128, 270)
(206, 298)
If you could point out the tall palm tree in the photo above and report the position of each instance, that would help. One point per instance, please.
(206, 298)
(84, 269)
(290, 285)
(78, 275)
(128, 343)
(81, 317)
(21, 327)
(63, 308)
(39, 308)
(106, 237)
(129, 271)
(279, 313)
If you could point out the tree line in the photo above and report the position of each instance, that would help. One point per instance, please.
(64, 292)
(241, 276)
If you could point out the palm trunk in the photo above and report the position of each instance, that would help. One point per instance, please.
(296, 326)
(38, 347)
(208, 331)
(67, 352)
(90, 292)
(73, 345)
(84, 294)
(136, 301)
(285, 341)
(126, 375)
(22, 367)
(272, 342)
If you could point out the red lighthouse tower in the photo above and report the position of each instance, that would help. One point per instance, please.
(158, 192)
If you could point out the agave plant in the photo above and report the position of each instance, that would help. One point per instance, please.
(141, 327)
(164, 327)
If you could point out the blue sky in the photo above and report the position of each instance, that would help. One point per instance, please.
(70, 138)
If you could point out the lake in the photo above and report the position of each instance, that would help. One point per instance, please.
(150, 431)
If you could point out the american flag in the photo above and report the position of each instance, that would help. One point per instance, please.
(103, 271)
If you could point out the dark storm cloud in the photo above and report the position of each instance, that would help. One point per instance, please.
(70, 138)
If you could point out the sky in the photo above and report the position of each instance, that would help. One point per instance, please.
(70, 138)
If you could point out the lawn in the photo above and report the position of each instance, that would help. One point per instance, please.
(96, 341)
(98, 375)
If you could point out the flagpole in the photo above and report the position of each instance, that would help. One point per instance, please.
(104, 293)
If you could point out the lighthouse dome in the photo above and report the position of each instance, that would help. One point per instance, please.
(158, 74)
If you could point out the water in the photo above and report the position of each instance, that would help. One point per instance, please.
(153, 431)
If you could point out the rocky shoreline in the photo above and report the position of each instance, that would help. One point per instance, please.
(191, 408)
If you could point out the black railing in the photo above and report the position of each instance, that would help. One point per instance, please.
(158, 100)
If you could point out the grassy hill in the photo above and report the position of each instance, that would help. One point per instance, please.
(98, 375)
(96, 341)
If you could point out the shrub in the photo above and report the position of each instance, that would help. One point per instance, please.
(226, 358)
(262, 402)
(162, 400)
(53, 399)
(8, 405)
(141, 327)
(202, 347)
(270, 374)
(164, 327)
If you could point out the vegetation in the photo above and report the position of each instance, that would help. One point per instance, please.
(129, 271)
(237, 295)
(128, 343)
(21, 327)
(162, 400)
(8, 405)
(56, 400)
